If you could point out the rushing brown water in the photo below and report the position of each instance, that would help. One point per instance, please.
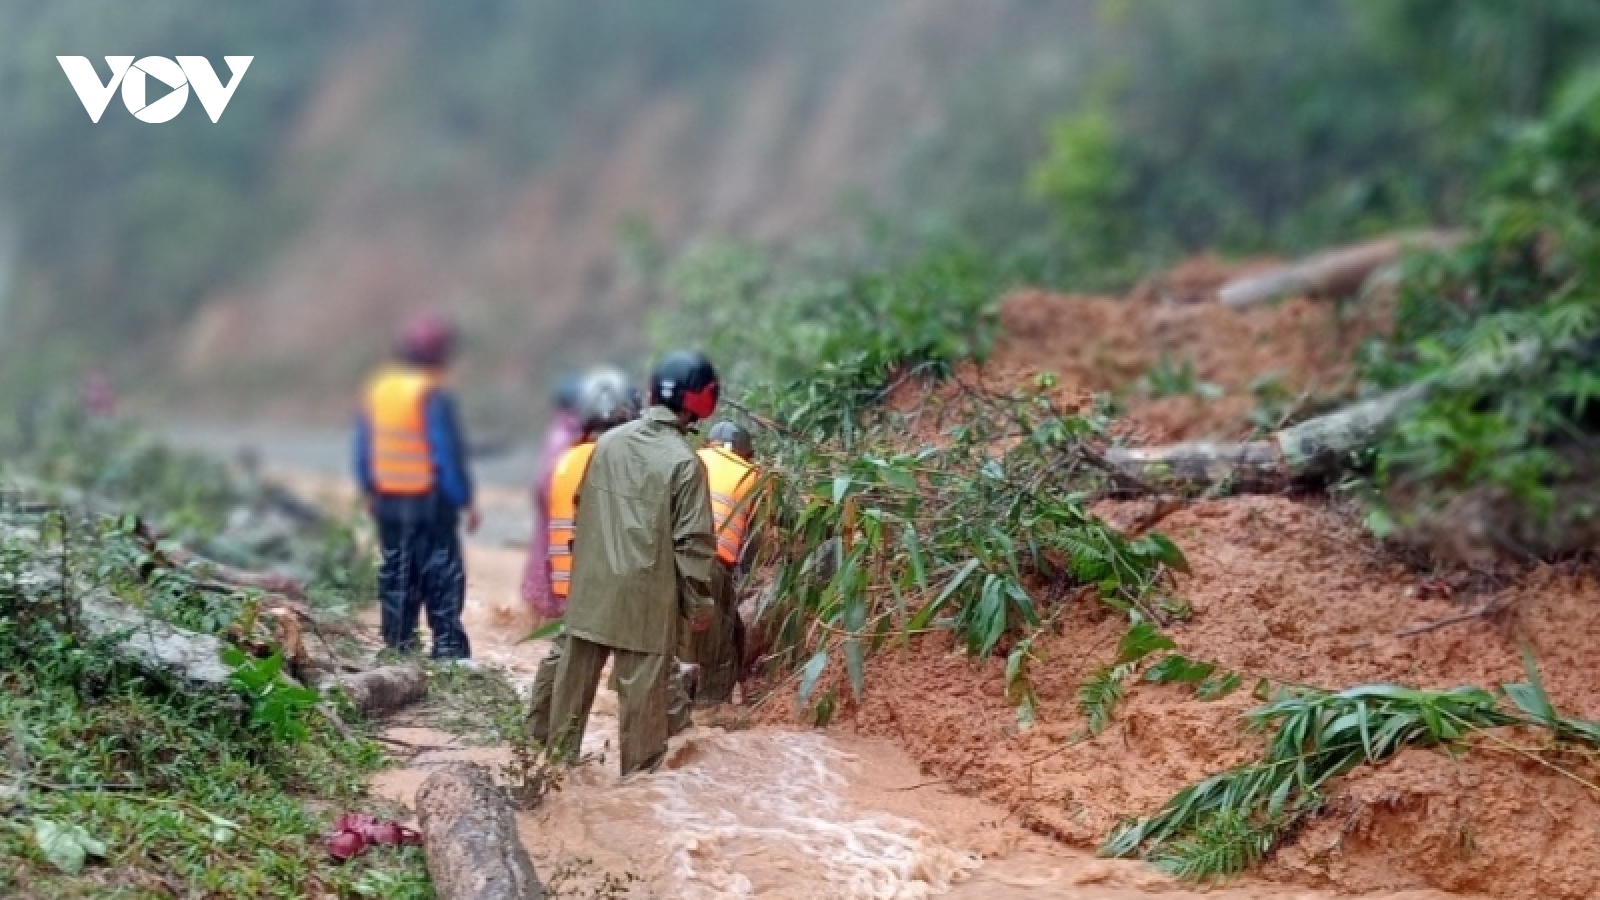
(774, 813)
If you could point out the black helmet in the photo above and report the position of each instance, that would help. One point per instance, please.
(732, 436)
(605, 400)
(685, 382)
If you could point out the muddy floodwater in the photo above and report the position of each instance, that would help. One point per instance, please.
(771, 812)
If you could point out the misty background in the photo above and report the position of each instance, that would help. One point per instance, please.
(559, 172)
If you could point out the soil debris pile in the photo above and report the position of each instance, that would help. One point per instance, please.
(1284, 592)
(1293, 593)
(1183, 366)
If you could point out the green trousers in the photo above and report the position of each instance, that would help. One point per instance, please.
(544, 682)
(719, 649)
(642, 727)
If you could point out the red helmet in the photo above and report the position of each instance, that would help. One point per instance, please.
(428, 339)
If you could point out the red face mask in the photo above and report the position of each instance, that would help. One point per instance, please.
(702, 403)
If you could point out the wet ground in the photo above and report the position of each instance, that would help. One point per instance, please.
(764, 812)
(770, 812)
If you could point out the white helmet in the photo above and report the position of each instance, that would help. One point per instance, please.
(606, 399)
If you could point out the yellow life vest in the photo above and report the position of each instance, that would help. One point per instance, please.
(731, 479)
(396, 406)
(564, 484)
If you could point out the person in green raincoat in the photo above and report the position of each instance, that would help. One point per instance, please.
(641, 569)
(604, 399)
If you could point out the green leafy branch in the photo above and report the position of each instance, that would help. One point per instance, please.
(1099, 695)
(882, 542)
(1224, 824)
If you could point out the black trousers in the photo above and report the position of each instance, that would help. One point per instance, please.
(422, 569)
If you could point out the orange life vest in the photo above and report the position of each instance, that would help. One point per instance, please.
(732, 479)
(402, 458)
(564, 484)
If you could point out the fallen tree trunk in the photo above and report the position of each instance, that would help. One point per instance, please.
(1336, 273)
(269, 582)
(1323, 445)
(1314, 448)
(474, 852)
(380, 691)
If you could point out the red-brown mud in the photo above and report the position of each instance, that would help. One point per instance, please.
(1290, 590)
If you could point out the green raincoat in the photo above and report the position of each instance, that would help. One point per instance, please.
(643, 546)
(642, 553)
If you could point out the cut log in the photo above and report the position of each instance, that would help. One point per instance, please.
(1336, 273)
(470, 832)
(380, 691)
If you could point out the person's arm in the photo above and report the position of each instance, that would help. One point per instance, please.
(449, 457)
(694, 542)
(363, 457)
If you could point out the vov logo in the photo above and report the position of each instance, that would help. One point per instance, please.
(133, 78)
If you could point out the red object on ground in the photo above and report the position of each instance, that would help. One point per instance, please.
(353, 833)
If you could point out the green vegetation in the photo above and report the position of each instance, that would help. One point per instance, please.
(1226, 823)
(1100, 694)
(1171, 379)
(897, 523)
(817, 337)
(1504, 329)
(122, 784)
(121, 229)
(49, 443)
(1248, 125)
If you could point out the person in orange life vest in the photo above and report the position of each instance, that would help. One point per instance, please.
(733, 479)
(410, 462)
(566, 430)
(604, 400)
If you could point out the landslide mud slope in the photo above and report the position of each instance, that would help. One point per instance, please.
(1285, 589)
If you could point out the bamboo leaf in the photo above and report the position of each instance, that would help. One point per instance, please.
(1168, 553)
(1140, 641)
(914, 555)
(855, 665)
(545, 632)
(1176, 669)
(812, 672)
(1216, 688)
(899, 478)
(925, 615)
(991, 619)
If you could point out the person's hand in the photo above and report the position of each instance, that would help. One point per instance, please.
(474, 520)
(700, 623)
